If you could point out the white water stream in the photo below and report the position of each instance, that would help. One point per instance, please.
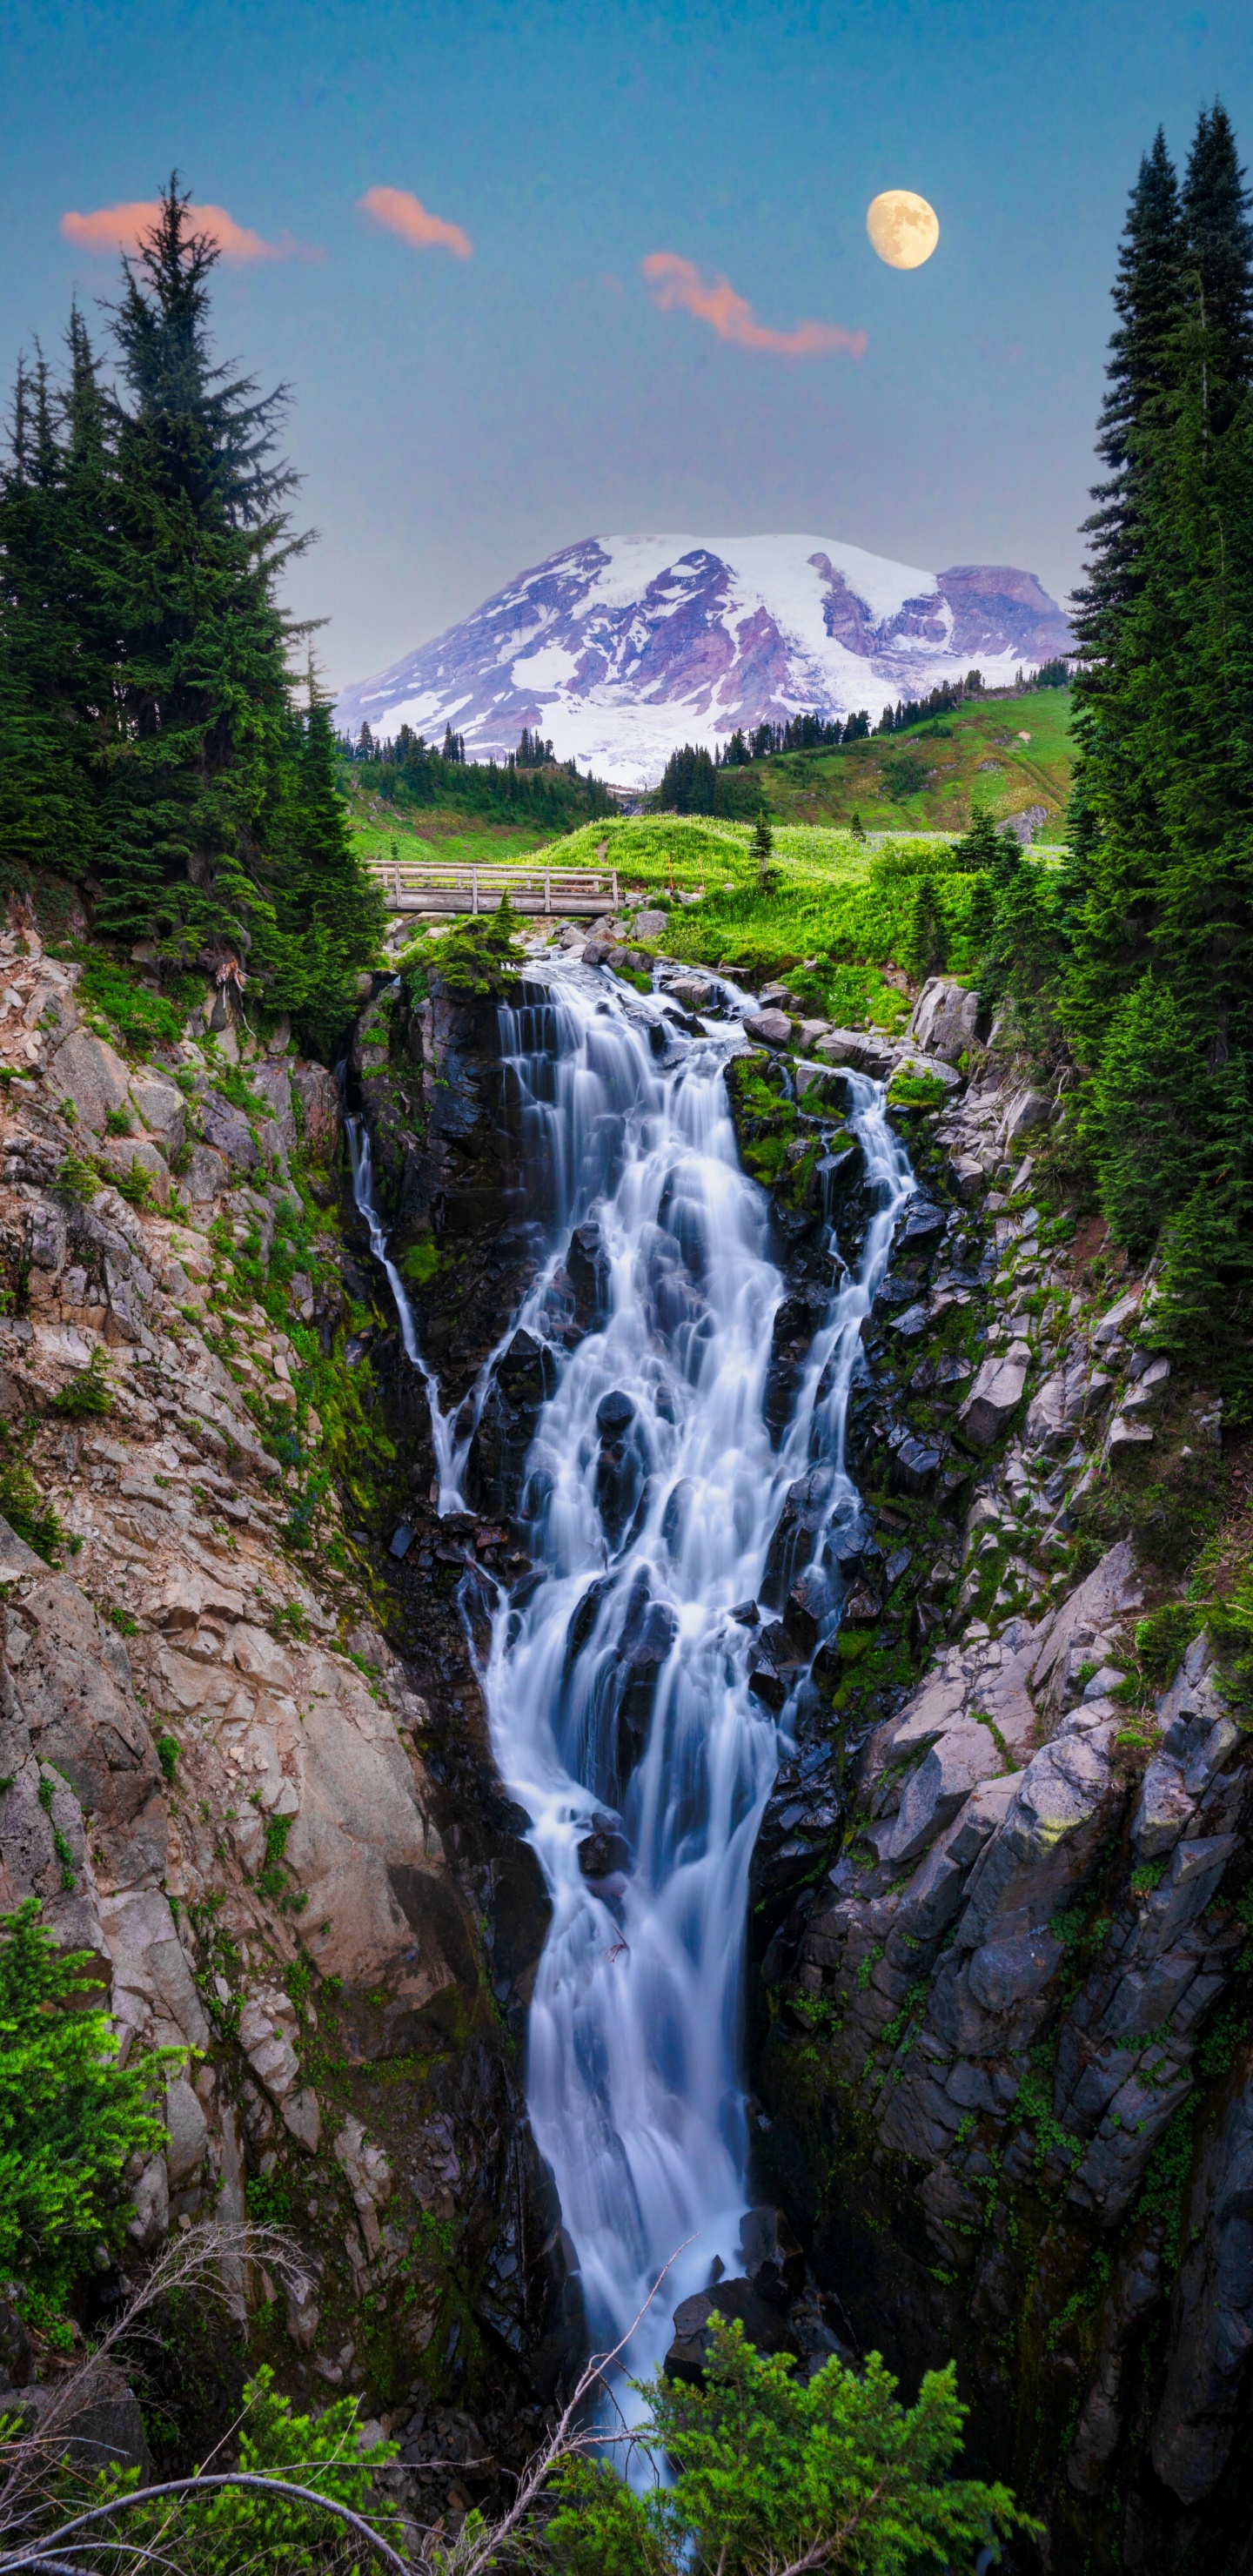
(618, 1687)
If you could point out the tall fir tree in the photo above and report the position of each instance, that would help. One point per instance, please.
(201, 534)
(1159, 998)
(147, 734)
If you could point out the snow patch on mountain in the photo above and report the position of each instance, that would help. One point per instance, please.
(619, 648)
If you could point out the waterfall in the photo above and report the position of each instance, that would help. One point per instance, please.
(449, 1459)
(617, 1678)
(618, 1689)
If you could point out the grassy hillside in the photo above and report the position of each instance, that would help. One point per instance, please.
(427, 832)
(836, 917)
(927, 778)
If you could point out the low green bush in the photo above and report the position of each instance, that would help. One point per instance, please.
(71, 2118)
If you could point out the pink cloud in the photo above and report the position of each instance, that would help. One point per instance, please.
(125, 227)
(678, 282)
(399, 211)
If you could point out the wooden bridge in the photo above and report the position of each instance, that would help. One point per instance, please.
(415, 886)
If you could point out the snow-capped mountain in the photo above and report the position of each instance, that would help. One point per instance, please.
(619, 648)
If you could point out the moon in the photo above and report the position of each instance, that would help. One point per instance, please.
(903, 228)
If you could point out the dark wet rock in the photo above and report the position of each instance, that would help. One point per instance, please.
(521, 1383)
(920, 1229)
(806, 1505)
(620, 1467)
(797, 1319)
(1203, 2402)
(775, 1664)
(674, 1518)
(587, 1269)
(604, 1851)
(95, 2422)
(915, 1466)
(16, 2350)
(774, 2262)
(765, 2326)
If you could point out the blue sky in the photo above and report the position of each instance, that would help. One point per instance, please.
(460, 416)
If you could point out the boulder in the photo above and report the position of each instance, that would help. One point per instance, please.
(369, 2178)
(944, 1018)
(993, 1400)
(162, 1109)
(1127, 1436)
(768, 1028)
(1162, 1809)
(866, 1050)
(932, 1067)
(1027, 1110)
(1108, 1595)
(149, 2223)
(1056, 1410)
(207, 1175)
(1113, 1325)
(188, 2133)
(693, 992)
(88, 1071)
(962, 1756)
(225, 1127)
(271, 1081)
(651, 925)
(765, 2326)
(95, 2416)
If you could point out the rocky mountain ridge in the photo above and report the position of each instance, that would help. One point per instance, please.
(619, 649)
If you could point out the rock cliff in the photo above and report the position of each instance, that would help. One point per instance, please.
(216, 1774)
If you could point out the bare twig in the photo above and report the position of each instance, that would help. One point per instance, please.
(47, 2553)
(206, 2256)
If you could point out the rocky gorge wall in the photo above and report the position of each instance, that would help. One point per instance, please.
(1004, 2053)
(1001, 1935)
(217, 1775)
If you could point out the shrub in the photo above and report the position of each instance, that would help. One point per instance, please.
(916, 1091)
(76, 1180)
(480, 957)
(766, 2470)
(225, 2531)
(23, 1506)
(135, 1185)
(71, 2118)
(89, 1392)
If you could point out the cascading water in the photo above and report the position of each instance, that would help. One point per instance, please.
(618, 1676)
(448, 1459)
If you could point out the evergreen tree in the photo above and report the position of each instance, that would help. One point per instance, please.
(146, 726)
(201, 535)
(1147, 300)
(330, 924)
(54, 679)
(763, 852)
(926, 941)
(1155, 904)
